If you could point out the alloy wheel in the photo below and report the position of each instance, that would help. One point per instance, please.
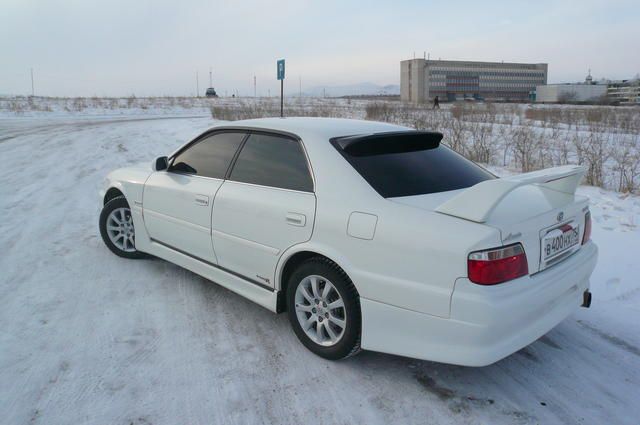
(320, 310)
(120, 229)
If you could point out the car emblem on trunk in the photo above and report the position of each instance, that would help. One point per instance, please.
(560, 216)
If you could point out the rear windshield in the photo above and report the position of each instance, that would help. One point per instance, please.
(402, 165)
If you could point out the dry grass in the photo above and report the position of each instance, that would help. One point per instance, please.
(20, 105)
(604, 139)
(523, 137)
(247, 109)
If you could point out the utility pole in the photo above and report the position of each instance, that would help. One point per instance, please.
(254, 87)
(300, 83)
(33, 92)
(210, 77)
(197, 85)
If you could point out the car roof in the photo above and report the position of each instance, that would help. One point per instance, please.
(314, 127)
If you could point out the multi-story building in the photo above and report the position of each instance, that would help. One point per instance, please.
(625, 92)
(421, 80)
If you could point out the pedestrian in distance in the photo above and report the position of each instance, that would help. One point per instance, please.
(436, 103)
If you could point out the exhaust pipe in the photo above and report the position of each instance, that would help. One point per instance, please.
(586, 299)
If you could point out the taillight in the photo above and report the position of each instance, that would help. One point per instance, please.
(587, 228)
(497, 265)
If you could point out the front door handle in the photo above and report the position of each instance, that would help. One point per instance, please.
(202, 200)
(296, 219)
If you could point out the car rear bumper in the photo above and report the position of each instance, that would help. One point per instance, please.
(487, 323)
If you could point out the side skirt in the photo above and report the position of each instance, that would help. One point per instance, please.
(267, 297)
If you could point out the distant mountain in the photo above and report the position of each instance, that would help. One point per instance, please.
(352, 90)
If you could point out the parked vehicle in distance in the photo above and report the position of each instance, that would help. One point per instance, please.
(369, 235)
(211, 92)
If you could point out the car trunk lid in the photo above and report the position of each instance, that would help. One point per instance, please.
(540, 210)
(549, 224)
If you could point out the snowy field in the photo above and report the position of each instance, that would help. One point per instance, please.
(90, 338)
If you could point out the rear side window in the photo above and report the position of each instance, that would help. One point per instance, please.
(273, 161)
(406, 165)
(209, 157)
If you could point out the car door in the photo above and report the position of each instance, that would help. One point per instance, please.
(265, 206)
(177, 202)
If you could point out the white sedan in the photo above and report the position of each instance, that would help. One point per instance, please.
(369, 235)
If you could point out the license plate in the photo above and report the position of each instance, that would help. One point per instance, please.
(560, 240)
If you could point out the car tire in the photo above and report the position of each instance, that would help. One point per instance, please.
(116, 228)
(324, 312)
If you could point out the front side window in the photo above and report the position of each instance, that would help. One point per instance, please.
(209, 157)
(274, 161)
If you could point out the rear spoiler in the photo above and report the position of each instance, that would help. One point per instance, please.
(478, 202)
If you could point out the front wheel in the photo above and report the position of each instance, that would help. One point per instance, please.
(116, 228)
(324, 309)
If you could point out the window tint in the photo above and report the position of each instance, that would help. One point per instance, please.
(273, 161)
(209, 157)
(415, 172)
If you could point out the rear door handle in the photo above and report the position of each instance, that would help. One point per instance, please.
(202, 200)
(296, 219)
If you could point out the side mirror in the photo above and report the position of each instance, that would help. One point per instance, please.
(161, 163)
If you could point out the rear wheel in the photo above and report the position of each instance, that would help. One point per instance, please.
(117, 230)
(324, 309)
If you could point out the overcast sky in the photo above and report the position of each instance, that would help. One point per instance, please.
(124, 47)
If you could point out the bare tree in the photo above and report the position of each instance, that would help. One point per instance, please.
(481, 147)
(626, 159)
(525, 145)
(593, 151)
(455, 133)
(560, 146)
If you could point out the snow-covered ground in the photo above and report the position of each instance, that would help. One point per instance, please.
(57, 107)
(90, 338)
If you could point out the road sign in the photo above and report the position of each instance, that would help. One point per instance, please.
(281, 69)
(281, 78)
